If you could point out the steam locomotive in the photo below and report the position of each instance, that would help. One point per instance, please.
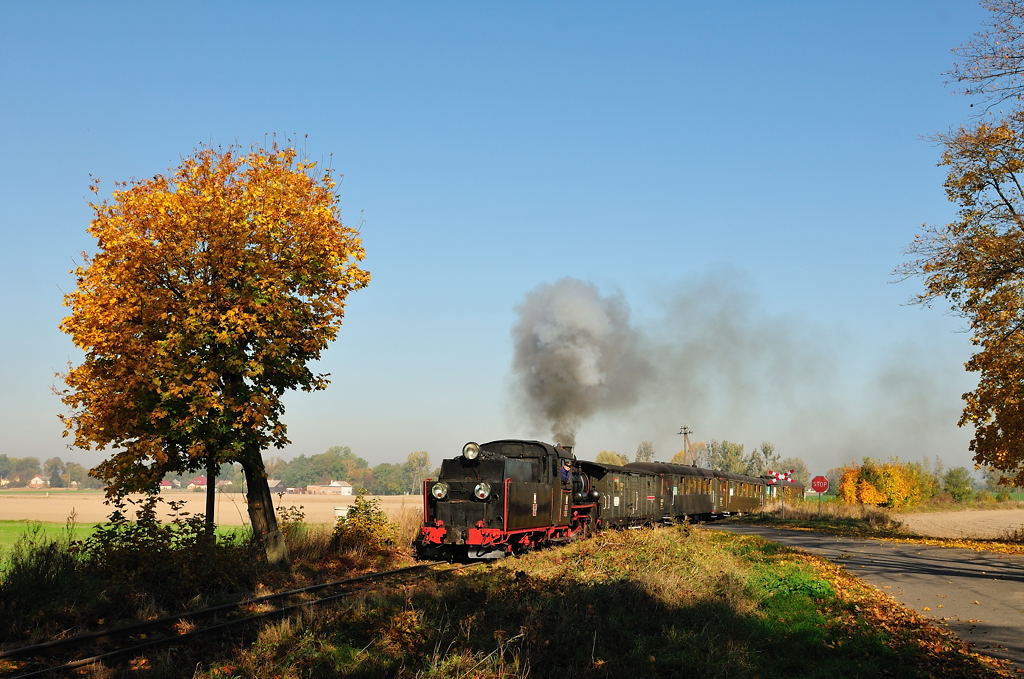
(510, 496)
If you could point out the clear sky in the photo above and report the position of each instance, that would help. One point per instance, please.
(746, 175)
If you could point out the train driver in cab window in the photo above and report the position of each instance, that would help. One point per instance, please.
(565, 474)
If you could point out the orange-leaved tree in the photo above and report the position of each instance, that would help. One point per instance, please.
(893, 484)
(211, 290)
(976, 263)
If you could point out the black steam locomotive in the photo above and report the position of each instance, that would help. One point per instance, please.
(510, 496)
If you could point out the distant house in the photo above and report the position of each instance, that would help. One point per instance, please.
(166, 485)
(333, 488)
(198, 483)
(38, 482)
(276, 486)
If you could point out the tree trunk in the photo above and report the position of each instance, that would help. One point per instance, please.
(211, 488)
(261, 509)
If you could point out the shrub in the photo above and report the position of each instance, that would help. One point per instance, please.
(42, 578)
(894, 484)
(169, 562)
(957, 482)
(366, 528)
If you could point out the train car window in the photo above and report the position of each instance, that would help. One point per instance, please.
(526, 469)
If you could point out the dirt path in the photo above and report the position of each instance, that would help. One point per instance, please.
(979, 595)
(971, 523)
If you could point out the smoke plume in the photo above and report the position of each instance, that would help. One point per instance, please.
(732, 370)
(576, 354)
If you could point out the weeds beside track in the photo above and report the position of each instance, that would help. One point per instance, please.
(104, 645)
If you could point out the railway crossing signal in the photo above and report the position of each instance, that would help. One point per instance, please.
(783, 477)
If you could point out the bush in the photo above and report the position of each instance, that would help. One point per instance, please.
(957, 482)
(171, 561)
(365, 529)
(42, 578)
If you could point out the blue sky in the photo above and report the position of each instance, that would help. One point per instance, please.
(770, 158)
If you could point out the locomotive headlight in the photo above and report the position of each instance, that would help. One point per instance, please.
(439, 490)
(471, 451)
(482, 490)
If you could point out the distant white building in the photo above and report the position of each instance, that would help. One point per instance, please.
(334, 488)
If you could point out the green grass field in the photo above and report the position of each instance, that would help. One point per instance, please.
(10, 531)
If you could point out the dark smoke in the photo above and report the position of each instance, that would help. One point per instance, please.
(576, 354)
(733, 370)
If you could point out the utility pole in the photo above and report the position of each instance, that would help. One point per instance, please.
(685, 432)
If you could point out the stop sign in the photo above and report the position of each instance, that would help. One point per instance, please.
(819, 484)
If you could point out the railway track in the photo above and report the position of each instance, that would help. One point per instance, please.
(67, 654)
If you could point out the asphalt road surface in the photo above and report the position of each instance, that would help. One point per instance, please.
(979, 595)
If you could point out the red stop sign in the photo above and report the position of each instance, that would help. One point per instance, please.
(819, 484)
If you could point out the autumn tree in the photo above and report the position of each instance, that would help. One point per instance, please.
(976, 264)
(388, 479)
(53, 471)
(695, 454)
(611, 457)
(892, 484)
(991, 65)
(644, 452)
(726, 456)
(335, 463)
(211, 290)
(22, 469)
(801, 474)
(761, 460)
(416, 468)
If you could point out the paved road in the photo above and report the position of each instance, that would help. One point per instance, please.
(979, 595)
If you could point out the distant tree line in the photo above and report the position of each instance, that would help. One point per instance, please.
(339, 463)
(723, 456)
(16, 472)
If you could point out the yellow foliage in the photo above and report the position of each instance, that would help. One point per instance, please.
(211, 290)
(867, 494)
(893, 484)
(975, 263)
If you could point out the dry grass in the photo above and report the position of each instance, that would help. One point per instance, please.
(1013, 536)
(836, 517)
(671, 602)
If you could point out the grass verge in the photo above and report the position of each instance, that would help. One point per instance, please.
(670, 603)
